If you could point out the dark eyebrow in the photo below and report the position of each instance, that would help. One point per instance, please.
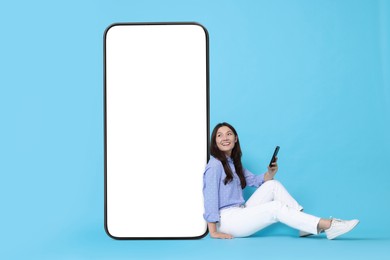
(229, 131)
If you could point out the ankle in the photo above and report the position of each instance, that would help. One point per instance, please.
(328, 224)
(324, 224)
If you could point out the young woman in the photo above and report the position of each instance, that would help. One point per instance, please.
(227, 213)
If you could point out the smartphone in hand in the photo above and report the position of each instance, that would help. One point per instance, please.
(273, 159)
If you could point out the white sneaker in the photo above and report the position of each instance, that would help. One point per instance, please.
(339, 227)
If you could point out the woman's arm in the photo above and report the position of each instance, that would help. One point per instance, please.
(270, 174)
(215, 234)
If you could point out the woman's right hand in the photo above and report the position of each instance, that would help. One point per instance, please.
(220, 235)
(215, 234)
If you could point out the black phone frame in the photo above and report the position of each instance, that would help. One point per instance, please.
(105, 121)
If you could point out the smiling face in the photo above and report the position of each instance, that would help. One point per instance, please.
(225, 140)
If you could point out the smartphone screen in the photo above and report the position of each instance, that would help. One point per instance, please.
(156, 106)
(273, 159)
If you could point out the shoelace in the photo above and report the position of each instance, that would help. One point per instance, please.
(336, 221)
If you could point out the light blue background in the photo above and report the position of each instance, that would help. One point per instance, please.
(310, 76)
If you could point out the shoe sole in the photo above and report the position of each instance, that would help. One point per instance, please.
(344, 231)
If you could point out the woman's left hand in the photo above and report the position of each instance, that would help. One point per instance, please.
(270, 174)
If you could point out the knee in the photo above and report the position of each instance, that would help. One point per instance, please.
(276, 183)
(273, 183)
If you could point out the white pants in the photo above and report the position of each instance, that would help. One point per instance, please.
(269, 204)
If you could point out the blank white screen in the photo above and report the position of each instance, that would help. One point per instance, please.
(156, 130)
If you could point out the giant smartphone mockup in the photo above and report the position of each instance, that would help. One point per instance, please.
(156, 118)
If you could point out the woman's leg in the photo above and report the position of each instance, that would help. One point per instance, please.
(270, 191)
(242, 222)
(272, 203)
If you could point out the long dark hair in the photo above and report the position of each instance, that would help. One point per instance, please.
(220, 155)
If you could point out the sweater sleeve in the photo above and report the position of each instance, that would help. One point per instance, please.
(211, 181)
(252, 179)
